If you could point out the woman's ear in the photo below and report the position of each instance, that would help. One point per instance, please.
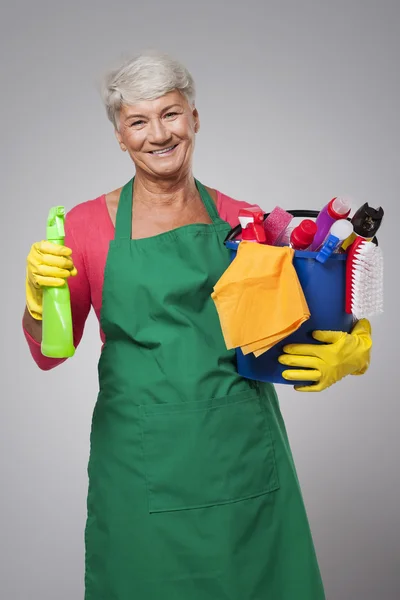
(119, 140)
(196, 118)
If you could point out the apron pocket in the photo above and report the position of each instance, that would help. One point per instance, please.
(206, 453)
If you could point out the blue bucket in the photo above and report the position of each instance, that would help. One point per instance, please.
(324, 287)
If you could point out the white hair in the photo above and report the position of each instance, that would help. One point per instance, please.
(145, 77)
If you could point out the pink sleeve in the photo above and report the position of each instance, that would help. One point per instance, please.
(79, 292)
(228, 208)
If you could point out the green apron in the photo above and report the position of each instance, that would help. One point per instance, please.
(193, 494)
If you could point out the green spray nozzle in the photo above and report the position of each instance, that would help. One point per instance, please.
(55, 224)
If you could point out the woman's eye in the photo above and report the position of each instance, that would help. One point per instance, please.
(170, 114)
(136, 123)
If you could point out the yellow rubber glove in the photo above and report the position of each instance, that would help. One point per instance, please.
(341, 354)
(50, 265)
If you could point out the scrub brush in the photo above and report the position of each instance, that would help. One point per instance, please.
(364, 279)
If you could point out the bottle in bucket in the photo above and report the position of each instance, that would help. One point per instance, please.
(337, 208)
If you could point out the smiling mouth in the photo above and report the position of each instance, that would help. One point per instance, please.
(164, 152)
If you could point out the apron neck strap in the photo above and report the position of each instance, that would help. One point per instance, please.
(123, 221)
(207, 201)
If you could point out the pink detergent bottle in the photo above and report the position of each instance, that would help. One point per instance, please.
(337, 208)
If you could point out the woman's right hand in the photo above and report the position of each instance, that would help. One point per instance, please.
(48, 265)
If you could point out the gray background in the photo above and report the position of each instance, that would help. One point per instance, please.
(299, 102)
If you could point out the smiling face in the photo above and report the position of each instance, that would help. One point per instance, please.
(159, 135)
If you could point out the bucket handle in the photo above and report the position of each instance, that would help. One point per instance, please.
(307, 214)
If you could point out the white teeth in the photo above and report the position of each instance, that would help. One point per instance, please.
(162, 151)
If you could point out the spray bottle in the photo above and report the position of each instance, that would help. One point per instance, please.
(57, 332)
(337, 208)
(251, 219)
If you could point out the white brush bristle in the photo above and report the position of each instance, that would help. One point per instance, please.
(367, 281)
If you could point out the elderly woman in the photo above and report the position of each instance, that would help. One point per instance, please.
(193, 493)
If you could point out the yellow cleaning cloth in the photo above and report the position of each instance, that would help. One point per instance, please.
(259, 298)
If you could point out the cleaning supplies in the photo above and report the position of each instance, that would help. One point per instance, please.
(364, 270)
(302, 236)
(338, 355)
(57, 331)
(259, 298)
(339, 232)
(275, 226)
(251, 220)
(324, 290)
(364, 279)
(366, 222)
(337, 208)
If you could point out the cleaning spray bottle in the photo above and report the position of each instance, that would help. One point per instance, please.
(337, 208)
(251, 219)
(57, 332)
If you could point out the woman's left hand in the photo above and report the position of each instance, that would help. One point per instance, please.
(341, 354)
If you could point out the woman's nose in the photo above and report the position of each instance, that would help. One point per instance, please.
(158, 133)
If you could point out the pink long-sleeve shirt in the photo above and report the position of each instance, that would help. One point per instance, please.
(88, 231)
